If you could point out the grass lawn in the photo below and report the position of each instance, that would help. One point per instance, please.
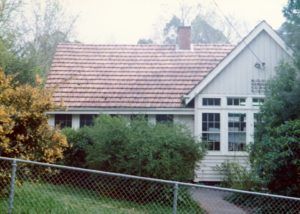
(39, 198)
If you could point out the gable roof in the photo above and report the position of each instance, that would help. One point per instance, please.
(133, 76)
(262, 26)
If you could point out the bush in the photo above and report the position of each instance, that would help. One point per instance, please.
(78, 140)
(237, 176)
(24, 129)
(277, 158)
(163, 151)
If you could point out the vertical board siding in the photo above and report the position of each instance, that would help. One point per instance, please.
(235, 80)
(236, 77)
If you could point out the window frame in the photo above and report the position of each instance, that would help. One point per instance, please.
(242, 126)
(260, 102)
(169, 118)
(206, 101)
(65, 122)
(85, 124)
(236, 99)
(216, 146)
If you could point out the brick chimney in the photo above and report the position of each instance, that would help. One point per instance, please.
(184, 38)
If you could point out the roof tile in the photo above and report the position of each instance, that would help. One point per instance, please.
(112, 76)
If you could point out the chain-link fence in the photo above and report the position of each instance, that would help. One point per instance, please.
(33, 187)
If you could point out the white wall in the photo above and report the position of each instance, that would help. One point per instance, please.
(235, 81)
(236, 78)
(207, 171)
(51, 121)
(186, 120)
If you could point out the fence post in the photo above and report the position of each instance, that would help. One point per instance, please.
(12, 186)
(175, 197)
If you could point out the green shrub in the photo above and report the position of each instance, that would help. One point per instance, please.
(277, 158)
(163, 151)
(114, 144)
(75, 155)
(237, 176)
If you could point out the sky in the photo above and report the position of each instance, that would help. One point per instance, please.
(126, 21)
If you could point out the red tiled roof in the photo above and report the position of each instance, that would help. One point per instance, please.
(153, 76)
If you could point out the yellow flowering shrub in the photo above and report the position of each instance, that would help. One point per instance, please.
(24, 129)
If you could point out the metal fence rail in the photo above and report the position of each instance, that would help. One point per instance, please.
(34, 187)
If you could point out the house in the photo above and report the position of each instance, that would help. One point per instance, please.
(214, 89)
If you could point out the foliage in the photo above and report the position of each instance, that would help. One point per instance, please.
(277, 157)
(75, 154)
(290, 29)
(202, 31)
(29, 135)
(145, 42)
(48, 27)
(24, 129)
(275, 152)
(282, 99)
(170, 30)
(114, 144)
(163, 151)
(237, 176)
(28, 40)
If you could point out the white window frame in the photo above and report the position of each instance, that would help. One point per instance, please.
(212, 132)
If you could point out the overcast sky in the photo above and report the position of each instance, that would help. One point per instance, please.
(125, 21)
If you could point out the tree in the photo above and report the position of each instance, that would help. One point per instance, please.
(170, 30)
(275, 153)
(276, 148)
(49, 26)
(145, 41)
(28, 42)
(202, 32)
(290, 29)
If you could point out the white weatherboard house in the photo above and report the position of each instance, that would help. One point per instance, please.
(214, 89)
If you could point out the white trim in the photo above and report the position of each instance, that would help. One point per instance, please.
(75, 121)
(263, 26)
(122, 111)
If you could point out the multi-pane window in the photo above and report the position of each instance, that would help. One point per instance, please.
(211, 130)
(257, 101)
(86, 119)
(63, 120)
(211, 101)
(236, 132)
(164, 118)
(236, 101)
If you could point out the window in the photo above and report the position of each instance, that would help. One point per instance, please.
(257, 101)
(63, 120)
(236, 101)
(236, 132)
(211, 130)
(136, 116)
(86, 119)
(211, 101)
(164, 118)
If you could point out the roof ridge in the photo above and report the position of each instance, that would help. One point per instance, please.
(141, 45)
